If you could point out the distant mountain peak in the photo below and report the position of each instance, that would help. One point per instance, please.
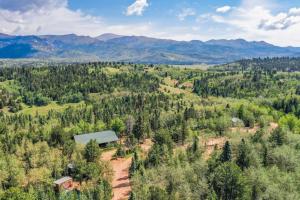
(139, 49)
(108, 36)
(2, 35)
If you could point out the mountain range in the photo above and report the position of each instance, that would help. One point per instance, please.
(137, 49)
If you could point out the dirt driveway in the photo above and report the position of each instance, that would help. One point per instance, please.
(120, 183)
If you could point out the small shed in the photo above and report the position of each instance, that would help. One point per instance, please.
(64, 183)
(102, 138)
(236, 122)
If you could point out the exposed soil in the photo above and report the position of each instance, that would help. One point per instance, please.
(146, 146)
(120, 183)
(245, 129)
(217, 143)
(272, 126)
(187, 85)
(211, 144)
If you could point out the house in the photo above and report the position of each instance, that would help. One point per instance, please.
(64, 184)
(236, 122)
(102, 138)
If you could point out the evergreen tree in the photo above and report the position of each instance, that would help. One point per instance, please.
(194, 151)
(129, 125)
(184, 132)
(132, 196)
(134, 164)
(139, 128)
(243, 156)
(56, 136)
(257, 137)
(226, 154)
(278, 136)
(265, 155)
(91, 151)
(157, 193)
(121, 152)
(228, 181)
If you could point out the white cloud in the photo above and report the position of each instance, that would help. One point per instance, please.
(282, 20)
(223, 9)
(54, 17)
(185, 13)
(256, 22)
(47, 20)
(25, 5)
(137, 8)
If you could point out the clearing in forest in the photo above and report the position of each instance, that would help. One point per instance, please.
(214, 143)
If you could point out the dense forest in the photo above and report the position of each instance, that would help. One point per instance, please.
(228, 132)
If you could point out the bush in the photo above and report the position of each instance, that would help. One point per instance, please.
(120, 152)
(41, 100)
(71, 98)
(285, 158)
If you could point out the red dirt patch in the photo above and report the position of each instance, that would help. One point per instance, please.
(146, 146)
(187, 85)
(120, 183)
(211, 144)
(272, 126)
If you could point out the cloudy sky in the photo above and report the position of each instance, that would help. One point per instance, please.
(274, 21)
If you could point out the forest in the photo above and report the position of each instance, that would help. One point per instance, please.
(228, 132)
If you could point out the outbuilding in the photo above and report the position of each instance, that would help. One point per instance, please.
(103, 138)
(236, 122)
(64, 183)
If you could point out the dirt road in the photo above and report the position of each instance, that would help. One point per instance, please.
(120, 183)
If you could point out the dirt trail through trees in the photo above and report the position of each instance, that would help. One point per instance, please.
(120, 183)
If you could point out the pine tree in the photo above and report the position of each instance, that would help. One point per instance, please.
(243, 157)
(139, 128)
(194, 151)
(135, 163)
(184, 132)
(228, 181)
(278, 136)
(265, 155)
(132, 196)
(226, 154)
(91, 151)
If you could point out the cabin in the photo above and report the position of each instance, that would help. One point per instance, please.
(64, 184)
(103, 138)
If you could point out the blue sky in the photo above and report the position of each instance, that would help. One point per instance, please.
(274, 21)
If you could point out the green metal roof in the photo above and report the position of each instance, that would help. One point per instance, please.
(100, 137)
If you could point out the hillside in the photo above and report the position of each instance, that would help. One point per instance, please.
(138, 49)
(226, 132)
